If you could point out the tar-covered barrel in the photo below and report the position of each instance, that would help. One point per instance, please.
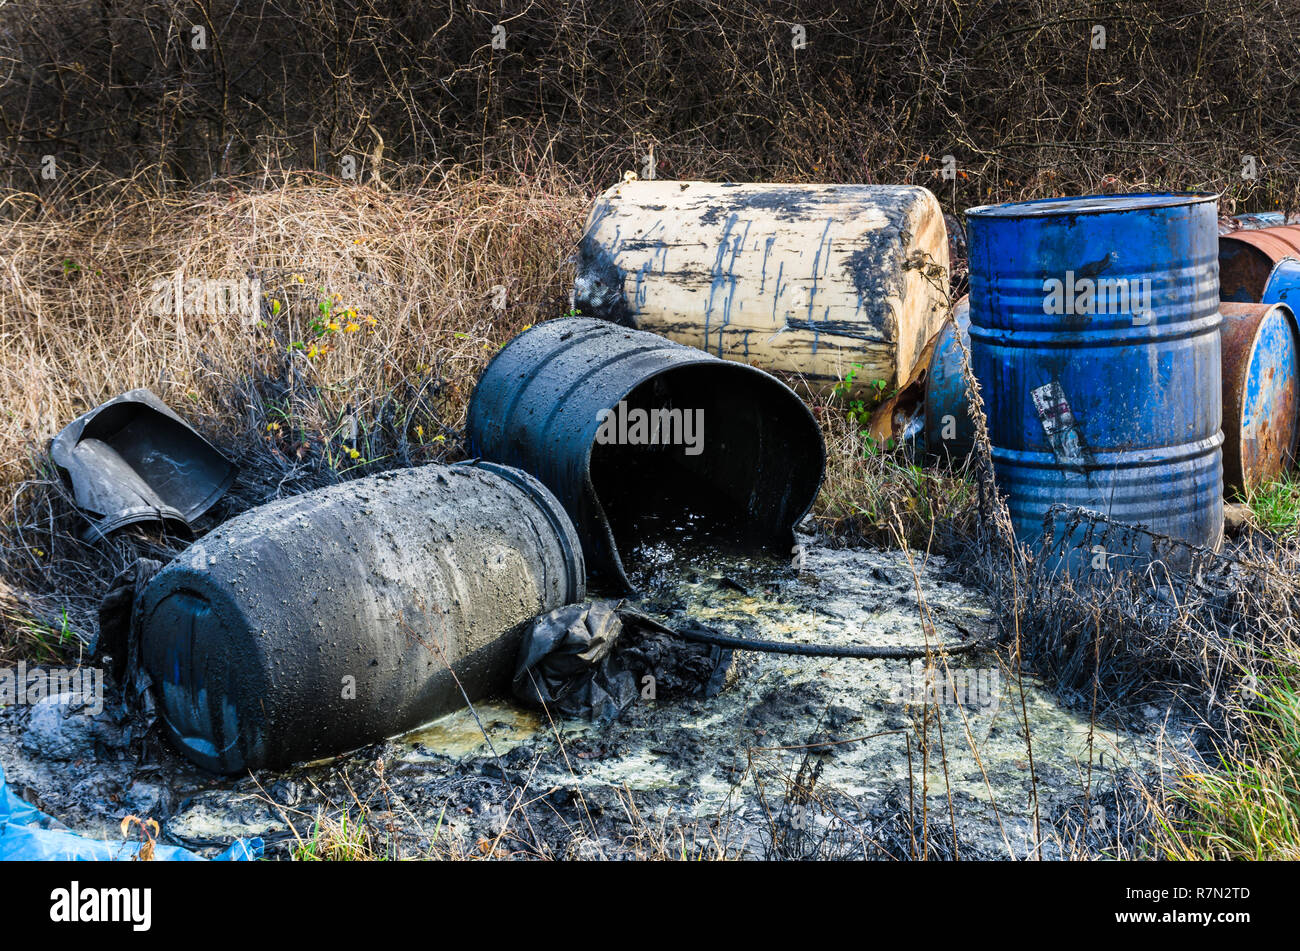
(1095, 340)
(316, 624)
(637, 436)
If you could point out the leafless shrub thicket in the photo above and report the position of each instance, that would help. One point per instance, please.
(1027, 96)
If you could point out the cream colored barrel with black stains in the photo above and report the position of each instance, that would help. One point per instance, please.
(810, 279)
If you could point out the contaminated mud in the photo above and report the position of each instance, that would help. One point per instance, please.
(797, 757)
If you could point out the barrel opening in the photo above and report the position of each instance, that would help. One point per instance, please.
(1243, 271)
(714, 449)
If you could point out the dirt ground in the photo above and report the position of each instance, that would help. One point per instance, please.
(797, 757)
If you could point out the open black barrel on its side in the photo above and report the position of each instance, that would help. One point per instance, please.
(750, 475)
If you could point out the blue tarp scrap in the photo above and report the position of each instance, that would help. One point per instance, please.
(27, 834)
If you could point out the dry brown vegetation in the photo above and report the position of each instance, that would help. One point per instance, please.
(414, 271)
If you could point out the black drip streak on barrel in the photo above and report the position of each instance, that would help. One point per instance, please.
(598, 287)
(873, 267)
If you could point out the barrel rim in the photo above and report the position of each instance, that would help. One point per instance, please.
(565, 531)
(194, 582)
(1101, 204)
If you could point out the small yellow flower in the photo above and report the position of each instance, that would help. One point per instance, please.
(332, 326)
(352, 453)
(370, 320)
(272, 427)
(352, 327)
(298, 278)
(419, 432)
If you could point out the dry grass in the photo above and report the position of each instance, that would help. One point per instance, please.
(76, 291)
(1242, 801)
(872, 495)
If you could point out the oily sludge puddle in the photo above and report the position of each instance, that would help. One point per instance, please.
(796, 757)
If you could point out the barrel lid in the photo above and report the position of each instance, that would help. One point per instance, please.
(181, 638)
(1090, 204)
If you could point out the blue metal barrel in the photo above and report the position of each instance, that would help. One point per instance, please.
(1283, 285)
(949, 430)
(1095, 340)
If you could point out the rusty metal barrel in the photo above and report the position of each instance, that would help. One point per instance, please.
(1247, 259)
(735, 453)
(1261, 393)
(319, 623)
(1095, 340)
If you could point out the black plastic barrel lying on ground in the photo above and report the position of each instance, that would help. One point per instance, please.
(629, 430)
(319, 623)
